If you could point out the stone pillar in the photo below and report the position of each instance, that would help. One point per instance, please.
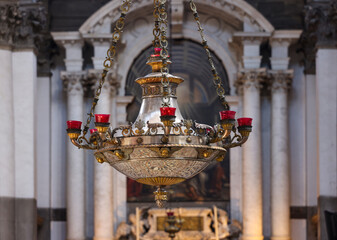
(103, 173)
(320, 26)
(7, 176)
(18, 108)
(120, 180)
(75, 161)
(76, 218)
(280, 180)
(24, 86)
(249, 81)
(252, 157)
(103, 180)
(101, 43)
(177, 18)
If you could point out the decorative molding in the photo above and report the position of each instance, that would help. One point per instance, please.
(320, 31)
(285, 37)
(73, 82)
(26, 25)
(68, 38)
(250, 78)
(280, 80)
(241, 10)
(251, 38)
(112, 81)
(21, 24)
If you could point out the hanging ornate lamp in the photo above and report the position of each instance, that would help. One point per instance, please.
(161, 148)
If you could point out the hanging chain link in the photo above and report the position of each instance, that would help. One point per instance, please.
(108, 63)
(156, 29)
(164, 52)
(216, 78)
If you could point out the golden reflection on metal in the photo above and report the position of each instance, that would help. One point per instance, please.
(160, 181)
(206, 154)
(100, 160)
(220, 158)
(244, 133)
(102, 129)
(73, 135)
(146, 80)
(164, 152)
(119, 154)
(188, 223)
(227, 126)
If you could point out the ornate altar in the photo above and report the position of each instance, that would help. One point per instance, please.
(195, 224)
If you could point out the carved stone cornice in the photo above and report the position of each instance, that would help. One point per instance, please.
(26, 25)
(320, 30)
(21, 23)
(73, 82)
(250, 78)
(280, 80)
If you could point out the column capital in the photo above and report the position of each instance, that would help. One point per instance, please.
(280, 80)
(112, 80)
(250, 78)
(73, 82)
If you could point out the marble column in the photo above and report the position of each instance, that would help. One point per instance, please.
(7, 176)
(326, 92)
(72, 77)
(281, 79)
(24, 99)
(249, 83)
(280, 181)
(103, 181)
(252, 163)
(75, 161)
(103, 173)
(120, 181)
(321, 32)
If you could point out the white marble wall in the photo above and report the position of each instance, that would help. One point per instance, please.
(7, 176)
(24, 95)
(326, 90)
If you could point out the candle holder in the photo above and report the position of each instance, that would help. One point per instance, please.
(74, 129)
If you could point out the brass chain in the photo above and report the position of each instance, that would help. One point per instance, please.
(108, 63)
(164, 52)
(216, 78)
(156, 29)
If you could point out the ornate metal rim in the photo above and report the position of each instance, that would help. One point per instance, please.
(102, 150)
(155, 79)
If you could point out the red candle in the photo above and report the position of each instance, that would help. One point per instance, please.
(93, 130)
(245, 121)
(74, 124)
(170, 214)
(167, 111)
(102, 118)
(227, 115)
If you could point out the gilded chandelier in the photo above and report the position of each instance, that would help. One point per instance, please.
(160, 148)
